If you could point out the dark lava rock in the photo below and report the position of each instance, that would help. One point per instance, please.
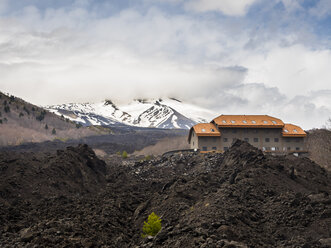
(241, 198)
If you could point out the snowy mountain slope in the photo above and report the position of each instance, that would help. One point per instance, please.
(162, 113)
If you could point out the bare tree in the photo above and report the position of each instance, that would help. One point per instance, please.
(328, 124)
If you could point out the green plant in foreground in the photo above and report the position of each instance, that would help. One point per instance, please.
(152, 226)
(124, 154)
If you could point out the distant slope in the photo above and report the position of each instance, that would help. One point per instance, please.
(167, 113)
(22, 122)
(319, 146)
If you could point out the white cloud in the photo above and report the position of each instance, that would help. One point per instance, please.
(227, 7)
(69, 54)
(294, 70)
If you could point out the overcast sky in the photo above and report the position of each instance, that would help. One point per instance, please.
(233, 56)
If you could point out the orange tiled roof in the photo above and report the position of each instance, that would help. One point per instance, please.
(246, 121)
(206, 129)
(290, 130)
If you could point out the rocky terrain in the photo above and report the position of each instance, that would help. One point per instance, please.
(241, 198)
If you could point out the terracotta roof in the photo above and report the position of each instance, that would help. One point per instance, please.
(206, 129)
(246, 121)
(290, 130)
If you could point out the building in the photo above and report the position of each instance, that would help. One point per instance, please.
(267, 133)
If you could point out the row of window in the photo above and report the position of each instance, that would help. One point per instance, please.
(246, 122)
(250, 130)
(255, 140)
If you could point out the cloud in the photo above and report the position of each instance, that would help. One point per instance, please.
(294, 69)
(227, 7)
(235, 65)
(322, 9)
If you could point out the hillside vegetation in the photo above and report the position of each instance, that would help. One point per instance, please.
(24, 122)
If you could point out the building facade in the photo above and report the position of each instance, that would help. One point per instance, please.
(267, 133)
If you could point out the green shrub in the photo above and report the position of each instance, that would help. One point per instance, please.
(152, 226)
(7, 109)
(148, 157)
(21, 115)
(78, 125)
(124, 154)
(118, 153)
(26, 110)
(46, 126)
(53, 131)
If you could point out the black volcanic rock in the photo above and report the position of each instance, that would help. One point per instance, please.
(241, 198)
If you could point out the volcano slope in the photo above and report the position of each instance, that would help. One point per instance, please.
(241, 198)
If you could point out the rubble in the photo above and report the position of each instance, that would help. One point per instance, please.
(241, 198)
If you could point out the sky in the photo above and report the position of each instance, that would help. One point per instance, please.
(234, 57)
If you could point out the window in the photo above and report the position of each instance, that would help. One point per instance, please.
(276, 139)
(203, 130)
(254, 122)
(289, 148)
(267, 139)
(245, 122)
(297, 148)
(265, 122)
(212, 130)
(255, 130)
(225, 139)
(256, 139)
(294, 130)
(267, 131)
(234, 131)
(214, 148)
(193, 142)
(297, 140)
(214, 139)
(287, 140)
(233, 122)
(285, 130)
(274, 122)
(224, 121)
(226, 148)
(204, 148)
(224, 130)
(246, 139)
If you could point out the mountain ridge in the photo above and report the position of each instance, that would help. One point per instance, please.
(169, 113)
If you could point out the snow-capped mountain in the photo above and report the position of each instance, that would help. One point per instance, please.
(161, 113)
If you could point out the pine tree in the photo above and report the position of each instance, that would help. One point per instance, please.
(152, 226)
(124, 154)
(46, 126)
(53, 131)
